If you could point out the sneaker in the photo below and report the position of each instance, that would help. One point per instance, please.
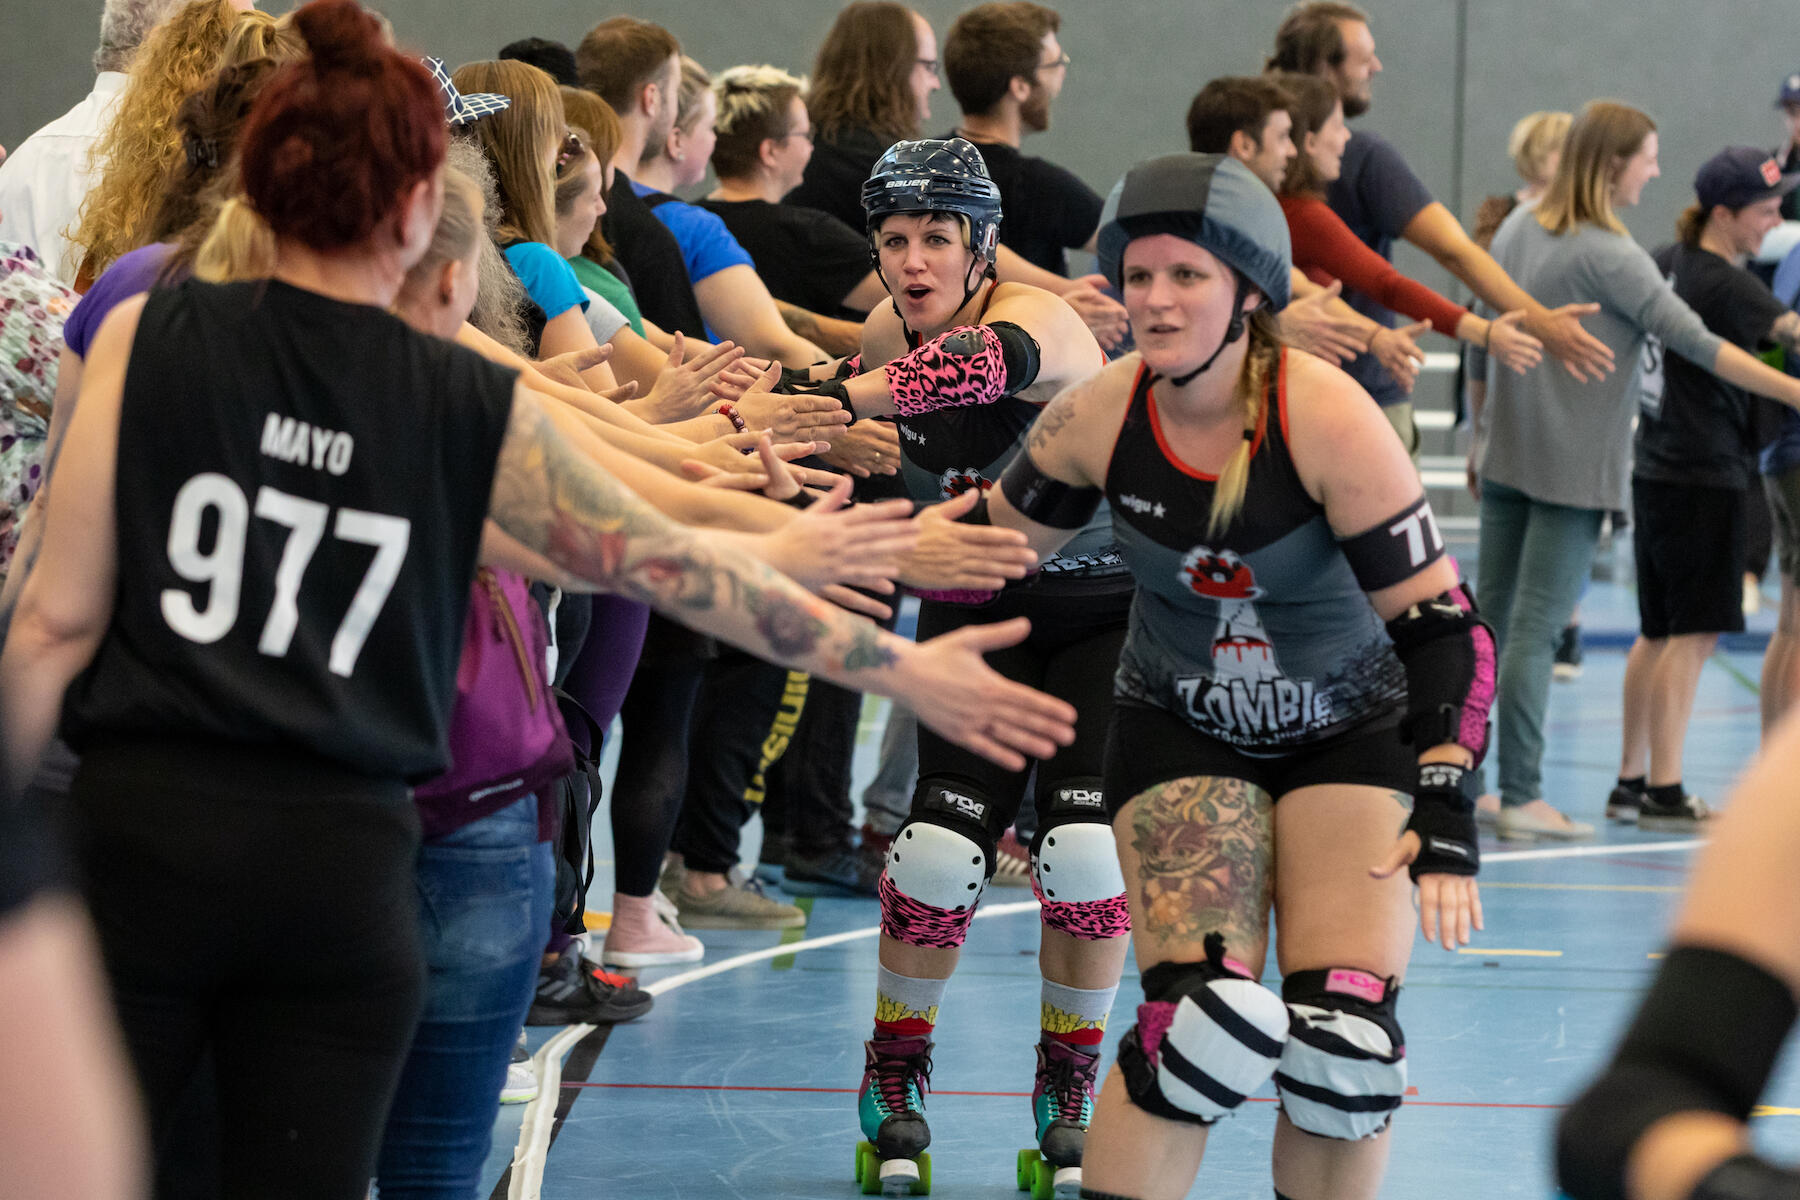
(1567, 664)
(1624, 804)
(1012, 861)
(739, 905)
(521, 1086)
(835, 873)
(641, 935)
(1692, 815)
(771, 860)
(1487, 809)
(1523, 824)
(576, 990)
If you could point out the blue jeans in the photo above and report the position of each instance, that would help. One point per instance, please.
(1533, 561)
(484, 901)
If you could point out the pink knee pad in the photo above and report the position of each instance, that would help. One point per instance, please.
(920, 924)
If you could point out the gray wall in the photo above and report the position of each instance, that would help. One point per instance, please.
(1458, 73)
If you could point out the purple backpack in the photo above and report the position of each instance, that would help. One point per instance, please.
(507, 737)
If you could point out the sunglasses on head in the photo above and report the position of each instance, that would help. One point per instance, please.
(572, 148)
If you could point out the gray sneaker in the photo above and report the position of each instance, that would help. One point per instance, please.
(741, 905)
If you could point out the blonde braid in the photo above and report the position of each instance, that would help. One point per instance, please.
(1252, 392)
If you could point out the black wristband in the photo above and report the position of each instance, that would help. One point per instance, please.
(1444, 819)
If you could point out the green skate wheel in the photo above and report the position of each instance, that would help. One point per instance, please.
(1043, 1181)
(923, 1186)
(864, 1164)
(1027, 1169)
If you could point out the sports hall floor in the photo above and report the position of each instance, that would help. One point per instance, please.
(741, 1082)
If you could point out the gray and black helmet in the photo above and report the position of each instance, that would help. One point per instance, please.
(1212, 200)
(936, 176)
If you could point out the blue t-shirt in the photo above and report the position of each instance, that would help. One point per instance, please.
(1783, 454)
(1377, 196)
(548, 279)
(706, 245)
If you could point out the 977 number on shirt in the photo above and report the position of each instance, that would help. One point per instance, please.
(222, 567)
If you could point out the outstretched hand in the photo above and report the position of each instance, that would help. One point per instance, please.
(1105, 317)
(957, 694)
(1509, 344)
(566, 369)
(832, 550)
(1397, 350)
(952, 557)
(1449, 905)
(1583, 355)
(687, 389)
(1315, 326)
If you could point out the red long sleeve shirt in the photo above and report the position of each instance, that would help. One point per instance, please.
(1325, 249)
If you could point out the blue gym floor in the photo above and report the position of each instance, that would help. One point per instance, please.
(742, 1080)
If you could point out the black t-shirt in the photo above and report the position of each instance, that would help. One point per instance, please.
(301, 488)
(1044, 209)
(836, 173)
(1695, 428)
(807, 257)
(652, 257)
(31, 857)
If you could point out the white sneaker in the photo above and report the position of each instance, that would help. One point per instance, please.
(1521, 825)
(521, 1085)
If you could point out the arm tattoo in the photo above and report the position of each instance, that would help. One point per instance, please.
(1057, 414)
(565, 507)
(1204, 853)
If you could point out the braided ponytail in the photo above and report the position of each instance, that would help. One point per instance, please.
(1260, 362)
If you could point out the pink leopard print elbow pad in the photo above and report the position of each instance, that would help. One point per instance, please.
(953, 370)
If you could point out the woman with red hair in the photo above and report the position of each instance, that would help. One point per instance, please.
(255, 615)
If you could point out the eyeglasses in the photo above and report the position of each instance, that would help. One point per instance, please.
(930, 64)
(793, 133)
(572, 148)
(1059, 61)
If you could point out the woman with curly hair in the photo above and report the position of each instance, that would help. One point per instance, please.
(142, 144)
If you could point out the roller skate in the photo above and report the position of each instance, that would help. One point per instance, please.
(891, 1107)
(1063, 1104)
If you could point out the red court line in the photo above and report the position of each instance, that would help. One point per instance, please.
(722, 1087)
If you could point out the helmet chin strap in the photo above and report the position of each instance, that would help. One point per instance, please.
(1233, 332)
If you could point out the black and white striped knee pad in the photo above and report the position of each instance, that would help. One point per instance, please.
(1343, 1071)
(1207, 1036)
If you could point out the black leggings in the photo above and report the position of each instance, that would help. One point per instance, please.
(259, 904)
(652, 774)
(1072, 653)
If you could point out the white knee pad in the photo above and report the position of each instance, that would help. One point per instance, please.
(1206, 1038)
(1077, 863)
(1343, 1072)
(937, 866)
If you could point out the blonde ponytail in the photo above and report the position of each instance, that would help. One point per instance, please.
(240, 246)
(1260, 363)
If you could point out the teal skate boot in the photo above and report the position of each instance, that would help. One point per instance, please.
(891, 1106)
(1063, 1104)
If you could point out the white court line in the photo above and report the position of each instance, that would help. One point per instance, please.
(540, 1116)
(1592, 851)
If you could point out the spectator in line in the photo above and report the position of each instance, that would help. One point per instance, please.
(1693, 458)
(1381, 200)
(48, 175)
(1005, 67)
(552, 58)
(1554, 452)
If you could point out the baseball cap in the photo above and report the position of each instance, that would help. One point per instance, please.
(1741, 175)
(1790, 91)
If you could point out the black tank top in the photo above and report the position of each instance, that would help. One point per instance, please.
(1259, 636)
(301, 490)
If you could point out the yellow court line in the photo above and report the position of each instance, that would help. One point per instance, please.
(1512, 953)
(1765, 1110)
(596, 921)
(1586, 887)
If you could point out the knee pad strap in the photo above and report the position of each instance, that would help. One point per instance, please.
(936, 868)
(1343, 1071)
(1075, 866)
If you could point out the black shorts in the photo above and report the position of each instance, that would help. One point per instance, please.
(1072, 653)
(1689, 548)
(1150, 746)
